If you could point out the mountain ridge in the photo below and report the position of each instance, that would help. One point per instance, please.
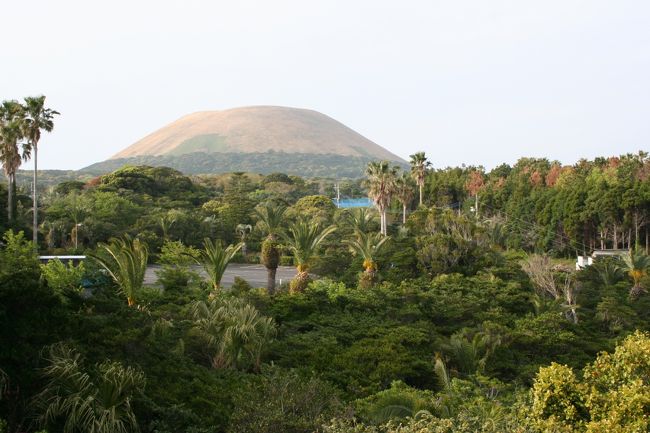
(257, 129)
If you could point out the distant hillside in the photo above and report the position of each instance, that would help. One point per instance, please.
(49, 178)
(257, 130)
(301, 164)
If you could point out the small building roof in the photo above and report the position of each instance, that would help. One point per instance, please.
(608, 253)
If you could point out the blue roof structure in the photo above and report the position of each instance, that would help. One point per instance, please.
(347, 203)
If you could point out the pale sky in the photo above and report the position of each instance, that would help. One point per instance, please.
(474, 82)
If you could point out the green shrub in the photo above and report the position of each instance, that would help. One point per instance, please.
(614, 395)
(558, 402)
(240, 286)
(64, 280)
(282, 401)
(176, 259)
(397, 402)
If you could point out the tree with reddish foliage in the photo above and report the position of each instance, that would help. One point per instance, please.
(474, 185)
(536, 178)
(553, 175)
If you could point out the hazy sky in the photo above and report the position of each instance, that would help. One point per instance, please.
(474, 82)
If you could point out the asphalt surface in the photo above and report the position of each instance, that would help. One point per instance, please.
(254, 274)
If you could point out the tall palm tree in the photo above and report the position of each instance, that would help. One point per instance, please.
(215, 258)
(11, 132)
(367, 246)
(636, 264)
(125, 260)
(419, 166)
(10, 158)
(381, 181)
(404, 193)
(304, 240)
(37, 119)
(270, 216)
(97, 403)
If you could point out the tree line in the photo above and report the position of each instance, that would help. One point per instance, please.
(536, 204)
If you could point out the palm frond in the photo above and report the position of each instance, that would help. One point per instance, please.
(234, 331)
(215, 258)
(636, 265)
(366, 245)
(270, 217)
(304, 239)
(359, 219)
(125, 260)
(98, 403)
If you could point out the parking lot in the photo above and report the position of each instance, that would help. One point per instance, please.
(254, 274)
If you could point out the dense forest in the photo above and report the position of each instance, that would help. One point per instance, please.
(454, 305)
(300, 164)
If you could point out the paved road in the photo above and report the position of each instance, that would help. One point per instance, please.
(254, 274)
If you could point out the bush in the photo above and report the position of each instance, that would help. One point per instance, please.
(558, 402)
(282, 401)
(64, 280)
(614, 395)
(240, 286)
(286, 261)
(397, 402)
(176, 259)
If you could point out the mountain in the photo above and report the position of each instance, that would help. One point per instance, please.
(262, 139)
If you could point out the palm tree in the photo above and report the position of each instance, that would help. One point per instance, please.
(360, 219)
(419, 166)
(469, 352)
(235, 332)
(10, 158)
(304, 240)
(636, 264)
(98, 403)
(367, 246)
(271, 216)
(37, 119)
(215, 258)
(381, 180)
(11, 132)
(166, 222)
(609, 270)
(125, 260)
(243, 230)
(404, 192)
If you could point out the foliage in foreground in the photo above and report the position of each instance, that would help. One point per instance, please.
(95, 401)
(612, 394)
(450, 335)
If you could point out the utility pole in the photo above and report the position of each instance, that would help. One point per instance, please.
(338, 195)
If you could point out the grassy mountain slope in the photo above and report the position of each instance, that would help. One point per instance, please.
(258, 129)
